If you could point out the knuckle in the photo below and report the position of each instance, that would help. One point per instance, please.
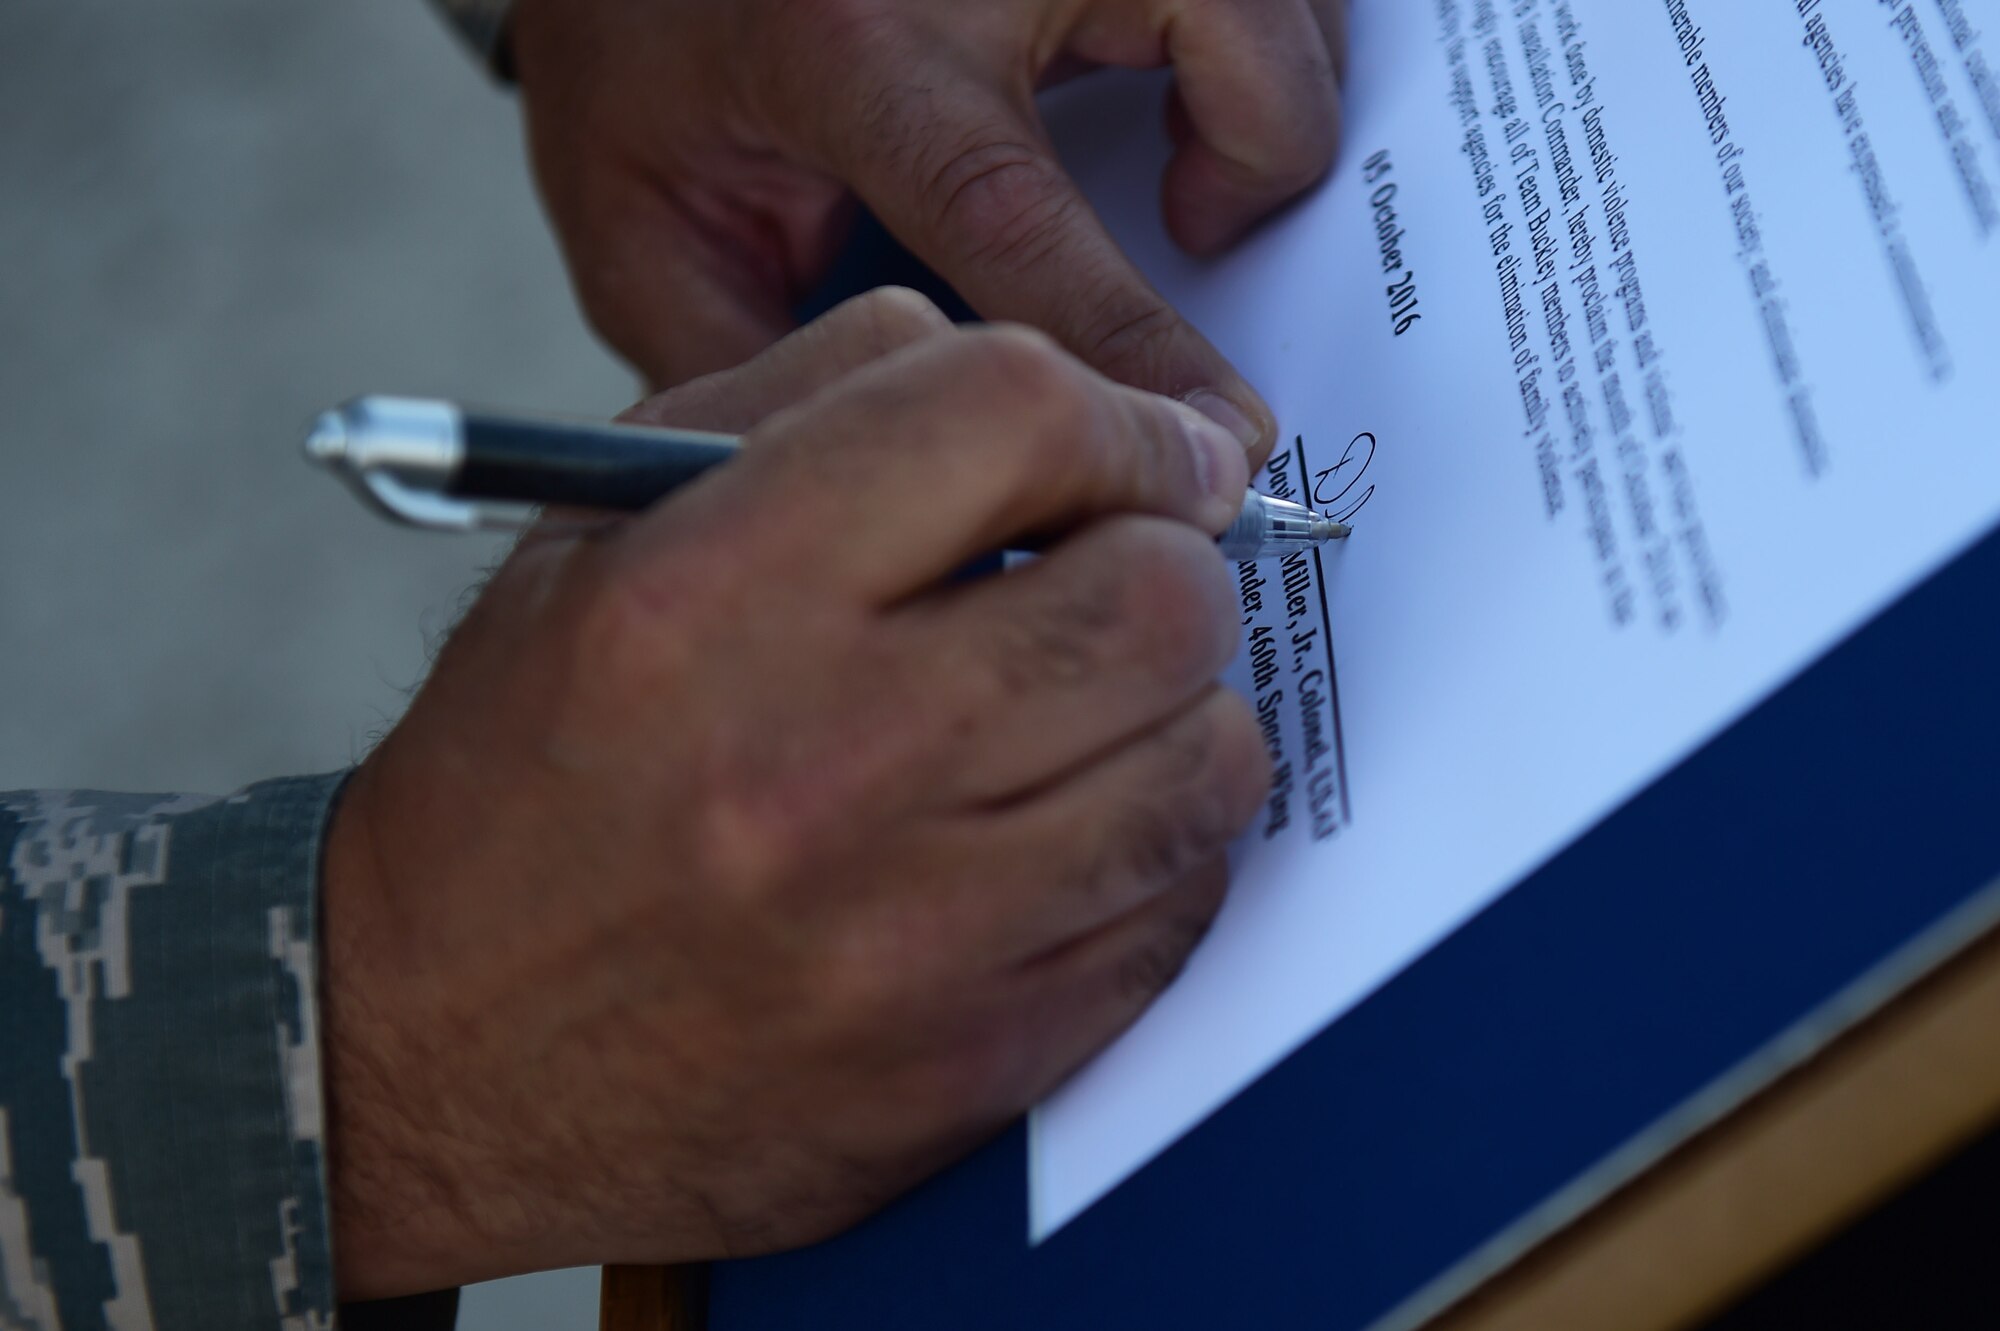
(982, 1077)
(1000, 201)
(1158, 837)
(632, 631)
(1153, 843)
(764, 826)
(1182, 621)
(901, 941)
(890, 116)
(1149, 605)
(743, 845)
(1128, 334)
(1187, 818)
(1145, 973)
(1156, 962)
(1242, 769)
(1057, 642)
(888, 318)
(1206, 777)
(653, 594)
(1024, 372)
(767, 823)
(861, 982)
(1023, 362)
(839, 33)
(755, 830)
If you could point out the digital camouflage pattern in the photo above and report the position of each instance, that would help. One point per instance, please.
(162, 1129)
(161, 1125)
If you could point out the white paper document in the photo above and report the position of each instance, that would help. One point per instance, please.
(1651, 346)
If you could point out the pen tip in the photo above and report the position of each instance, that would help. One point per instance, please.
(1326, 529)
(328, 441)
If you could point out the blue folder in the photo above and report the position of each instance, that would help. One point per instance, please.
(1731, 915)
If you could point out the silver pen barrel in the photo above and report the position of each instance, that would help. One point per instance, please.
(1269, 528)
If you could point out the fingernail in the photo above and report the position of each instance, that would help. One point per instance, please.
(1220, 468)
(1228, 415)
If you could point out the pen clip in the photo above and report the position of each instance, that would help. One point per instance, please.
(403, 459)
(420, 507)
(416, 506)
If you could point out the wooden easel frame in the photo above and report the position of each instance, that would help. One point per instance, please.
(653, 1298)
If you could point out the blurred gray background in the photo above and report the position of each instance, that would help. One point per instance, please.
(216, 217)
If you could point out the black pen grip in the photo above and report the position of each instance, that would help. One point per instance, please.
(579, 465)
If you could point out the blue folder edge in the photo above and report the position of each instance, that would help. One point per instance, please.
(1771, 889)
(1792, 1048)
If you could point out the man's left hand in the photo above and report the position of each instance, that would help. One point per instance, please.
(700, 159)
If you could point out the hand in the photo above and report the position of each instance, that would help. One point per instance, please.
(737, 867)
(698, 158)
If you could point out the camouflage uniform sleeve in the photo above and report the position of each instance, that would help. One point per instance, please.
(483, 25)
(161, 1124)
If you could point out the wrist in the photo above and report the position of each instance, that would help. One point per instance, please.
(399, 1183)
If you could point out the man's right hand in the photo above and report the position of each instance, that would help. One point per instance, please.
(739, 866)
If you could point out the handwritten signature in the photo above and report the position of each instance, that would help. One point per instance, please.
(1337, 491)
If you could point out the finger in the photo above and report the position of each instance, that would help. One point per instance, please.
(1116, 833)
(1331, 15)
(862, 329)
(1115, 629)
(1081, 997)
(853, 334)
(1257, 81)
(676, 299)
(947, 450)
(981, 198)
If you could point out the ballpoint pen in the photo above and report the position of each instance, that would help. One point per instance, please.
(434, 464)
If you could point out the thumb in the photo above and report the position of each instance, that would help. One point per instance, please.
(674, 299)
(981, 198)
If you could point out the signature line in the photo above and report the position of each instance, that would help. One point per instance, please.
(1332, 671)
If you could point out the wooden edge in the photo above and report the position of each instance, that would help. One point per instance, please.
(1909, 1078)
(653, 1298)
(1897, 1093)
